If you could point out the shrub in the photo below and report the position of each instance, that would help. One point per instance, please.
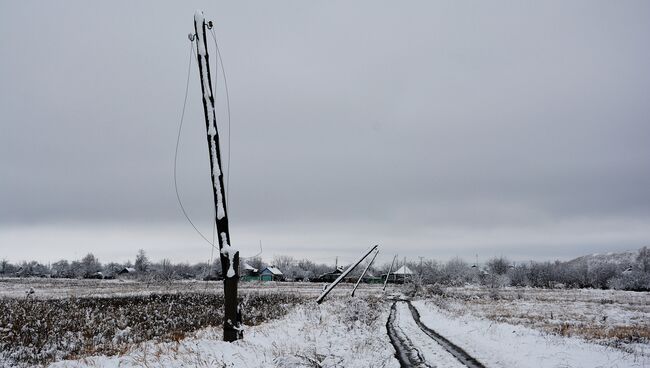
(36, 331)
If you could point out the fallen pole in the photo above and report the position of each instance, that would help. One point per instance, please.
(345, 273)
(389, 270)
(364, 272)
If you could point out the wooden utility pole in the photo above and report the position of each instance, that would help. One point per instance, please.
(364, 272)
(389, 271)
(345, 273)
(229, 254)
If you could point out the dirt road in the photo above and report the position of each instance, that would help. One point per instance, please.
(416, 345)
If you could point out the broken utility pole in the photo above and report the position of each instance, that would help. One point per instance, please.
(389, 271)
(364, 272)
(345, 273)
(228, 254)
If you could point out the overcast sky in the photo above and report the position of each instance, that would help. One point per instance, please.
(434, 129)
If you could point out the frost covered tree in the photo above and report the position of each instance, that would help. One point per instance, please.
(498, 266)
(142, 262)
(90, 265)
(76, 269)
(599, 275)
(61, 269)
(4, 263)
(632, 280)
(255, 262)
(183, 270)
(283, 262)
(431, 271)
(32, 268)
(519, 275)
(540, 274)
(165, 270)
(112, 268)
(456, 272)
(643, 259)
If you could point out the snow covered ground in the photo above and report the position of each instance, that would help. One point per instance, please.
(613, 318)
(505, 345)
(501, 328)
(346, 332)
(65, 288)
(343, 332)
(430, 352)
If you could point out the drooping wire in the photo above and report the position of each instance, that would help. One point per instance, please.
(178, 138)
(219, 59)
(180, 127)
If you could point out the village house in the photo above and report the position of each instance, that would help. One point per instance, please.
(330, 276)
(249, 273)
(271, 273)
(400, 276)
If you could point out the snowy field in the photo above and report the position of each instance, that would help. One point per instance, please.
(339, 333)
(65, 288)
(505, 345)
(511, 327)
(619, 319)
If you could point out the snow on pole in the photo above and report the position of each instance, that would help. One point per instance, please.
(345, 273)
(364, 272)
(389, 270)
(229, 255)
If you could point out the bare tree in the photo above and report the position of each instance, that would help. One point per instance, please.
(498, 266)
(643, 259)
(255, 262)
(456, 272)
(166, 271)
(142, 262)
(283, 262)
(90, 265)
(61, 269)
(4, 266)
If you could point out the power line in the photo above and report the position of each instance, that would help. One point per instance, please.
(178, 138)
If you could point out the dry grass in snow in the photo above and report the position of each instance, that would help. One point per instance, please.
(342, 332)
(619, 319)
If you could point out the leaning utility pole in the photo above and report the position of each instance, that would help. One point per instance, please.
(229, 254)
(389, 271)
(364, 272)
(345, 273)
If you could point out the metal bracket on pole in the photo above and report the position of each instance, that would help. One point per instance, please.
(345, 273)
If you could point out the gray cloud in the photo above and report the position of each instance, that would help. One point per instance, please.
(348, 119)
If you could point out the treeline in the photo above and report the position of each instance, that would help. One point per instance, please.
(142, 267)
(90, 267)
(631, 275)
(497, 272)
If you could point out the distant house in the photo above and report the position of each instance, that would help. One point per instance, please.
(402, 274)
(249, 273)
(126, 270)
(329, 276)
(96, 275)
(271, 273)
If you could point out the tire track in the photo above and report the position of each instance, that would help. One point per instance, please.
(405, 352)
(450, 347)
